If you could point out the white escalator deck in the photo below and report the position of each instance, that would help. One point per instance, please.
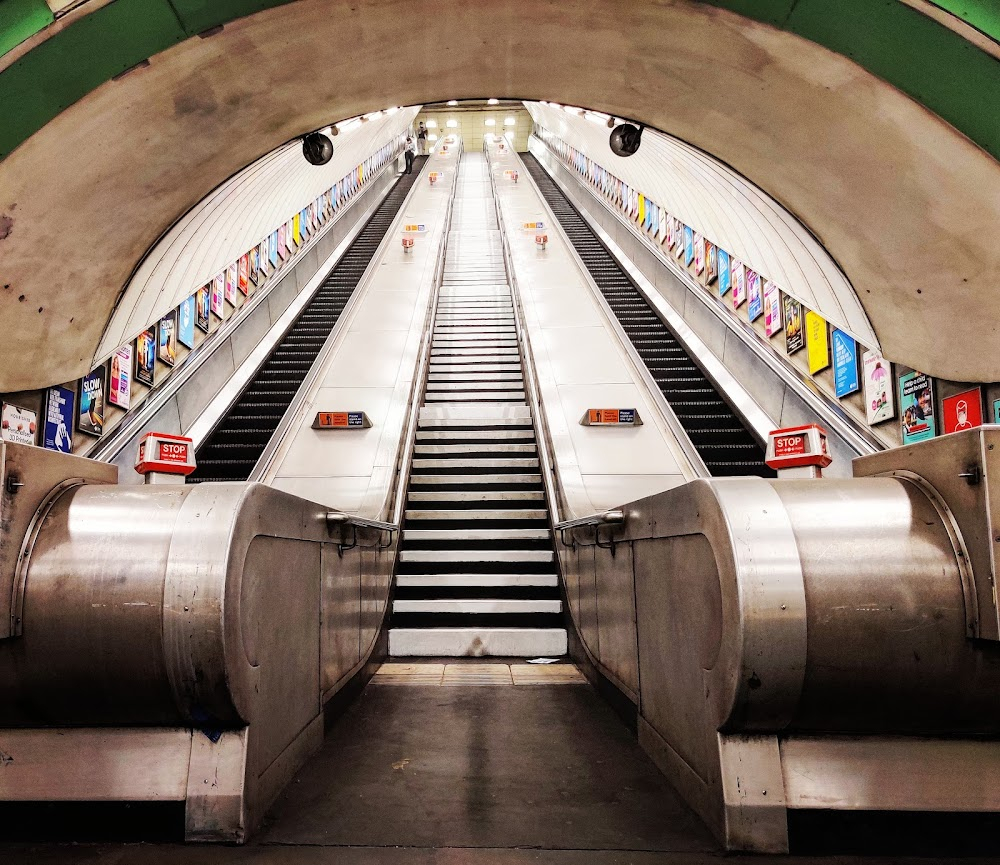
(476, 573)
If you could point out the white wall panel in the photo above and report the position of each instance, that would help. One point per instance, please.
(235, 217)
(727, 209)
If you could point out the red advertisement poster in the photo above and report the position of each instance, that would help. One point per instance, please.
(243, 273)
(963, 410)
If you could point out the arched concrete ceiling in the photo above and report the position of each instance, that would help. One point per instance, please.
(904, 201)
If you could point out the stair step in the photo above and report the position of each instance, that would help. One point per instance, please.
(485, 478)
(477, 642)
(490, 581)
(475, 534)
(477, 496)
(477, 605)
(500, 556)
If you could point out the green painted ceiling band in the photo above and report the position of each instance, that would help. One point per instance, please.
(20, 19)
(984, 15)
(923, 59)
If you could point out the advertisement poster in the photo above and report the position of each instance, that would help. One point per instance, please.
(274, 244)
(243, 273)
(688, 245)
(962, 411)
(120, 393)
(725, 277)
(755, 304)
(772, 308)
(679, 249)
(996, 411)
(671, 237)
(817, 342)
(58, 433)
(916, 407)
(711, 263)
(91, 417)
(167, 350)
(145, 356)
(738, 277)
(845, 364)
(282, 248)
(699, 254)
(202, 301)
(795, 338)
(185, 322)
(18, 424)
(296, 224)
(880, 400)
(231, 280)
(219, 294)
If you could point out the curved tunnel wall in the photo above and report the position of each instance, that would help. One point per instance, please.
(897, 195)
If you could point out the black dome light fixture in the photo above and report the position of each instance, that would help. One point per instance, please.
(625, 139)
(317, 148)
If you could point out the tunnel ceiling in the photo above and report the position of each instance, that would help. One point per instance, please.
(804, 98)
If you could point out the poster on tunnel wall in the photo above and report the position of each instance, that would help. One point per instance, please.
(916, 407)
(699, 254)
(185, 322)
(57, 434)
(231, 280)
(755, 300)
(772, 308)
(738, 278)
(845, 364)
(202, 305)
(145, 356)
(725, 276)
(243, 274)
(272, 249)
(219, 294)
(18, 425)
(90, 420)
(795, 338)
(880, 400)
(120, 392)
(282, 249)
(817, 342)
(167, 344)
(711, 263)
(688, 245)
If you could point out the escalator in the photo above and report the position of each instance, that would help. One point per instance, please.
(233, 448)
(476, 573)
(721, 439)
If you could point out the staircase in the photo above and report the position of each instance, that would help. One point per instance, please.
(476, 572)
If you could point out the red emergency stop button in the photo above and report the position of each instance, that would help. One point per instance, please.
(794, 447)
(166, 454)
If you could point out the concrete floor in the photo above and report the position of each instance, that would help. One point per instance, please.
(477, 775)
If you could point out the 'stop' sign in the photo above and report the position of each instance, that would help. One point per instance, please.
(166, 454)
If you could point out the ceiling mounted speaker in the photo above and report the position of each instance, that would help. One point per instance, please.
(317, 148)
(625, 139)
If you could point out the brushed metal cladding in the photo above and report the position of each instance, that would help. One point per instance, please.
(341, 640)
(588, 598)
(616, 615)
(886, 614)
(944, 463)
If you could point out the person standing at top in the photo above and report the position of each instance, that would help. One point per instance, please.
(422, 139)
(409, 152)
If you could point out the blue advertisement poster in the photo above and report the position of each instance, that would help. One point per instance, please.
(58, 434)
(916, 407)
(845, 364)
(996, 411)
(724, 275)
(272, 252)
(185, 323)
(688, 244)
